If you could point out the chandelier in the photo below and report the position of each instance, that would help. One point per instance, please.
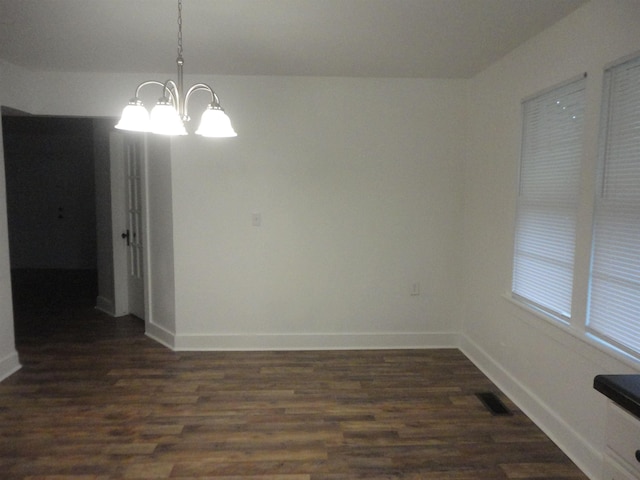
(169, 115)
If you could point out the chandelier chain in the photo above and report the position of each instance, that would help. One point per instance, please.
(179, 28)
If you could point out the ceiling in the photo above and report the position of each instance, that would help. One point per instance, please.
(354, 38)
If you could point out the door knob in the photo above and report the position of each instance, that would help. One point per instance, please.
(126, 235)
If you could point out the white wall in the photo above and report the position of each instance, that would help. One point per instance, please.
(104, 244)
(357, 184)
(160, 318)
(549, 371)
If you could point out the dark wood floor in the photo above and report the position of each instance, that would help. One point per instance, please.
(96, 399)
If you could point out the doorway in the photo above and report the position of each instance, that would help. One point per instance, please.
(58, 209)
(51, 206)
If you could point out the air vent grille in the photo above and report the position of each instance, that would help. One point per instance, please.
(491, 401)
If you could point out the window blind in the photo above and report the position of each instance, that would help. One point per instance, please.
(614, 301)
(547, 202)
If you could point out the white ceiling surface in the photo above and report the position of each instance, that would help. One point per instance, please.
(352, 38)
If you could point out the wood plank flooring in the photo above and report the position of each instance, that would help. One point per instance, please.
(96, 399)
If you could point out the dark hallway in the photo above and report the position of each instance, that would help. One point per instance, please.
(47, 300)
(51, 207)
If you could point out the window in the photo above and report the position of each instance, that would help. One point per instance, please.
(548, 199)
(614, 301)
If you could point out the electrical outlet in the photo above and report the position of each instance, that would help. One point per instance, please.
(415, 289)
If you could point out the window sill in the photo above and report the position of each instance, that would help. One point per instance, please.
(584, 338)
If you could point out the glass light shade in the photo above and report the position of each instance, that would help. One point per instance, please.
(215, 123)
(165, 120)
(134, 117)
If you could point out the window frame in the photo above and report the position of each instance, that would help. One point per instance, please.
(541, 100)
(607, 209)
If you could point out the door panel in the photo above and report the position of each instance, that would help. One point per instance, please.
(133, 180)
(126, 152)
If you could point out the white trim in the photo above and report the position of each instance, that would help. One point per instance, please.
(160, 335)
(146, 227)
(586, 456)
(9, 365)
(347, 341)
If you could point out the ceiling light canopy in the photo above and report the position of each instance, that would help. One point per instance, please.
(169, 115)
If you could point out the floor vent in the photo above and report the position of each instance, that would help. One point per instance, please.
(493, 403)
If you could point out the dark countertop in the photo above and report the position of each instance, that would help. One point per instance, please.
(623, 390)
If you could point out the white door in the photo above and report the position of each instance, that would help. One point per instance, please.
(133, 236)
(127, 152)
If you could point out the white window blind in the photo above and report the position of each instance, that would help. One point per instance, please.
(548, 199)
(614, 302)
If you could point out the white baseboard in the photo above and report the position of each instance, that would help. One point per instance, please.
(355, 341)
(586, 456)
(9, 365)
(160, 335)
